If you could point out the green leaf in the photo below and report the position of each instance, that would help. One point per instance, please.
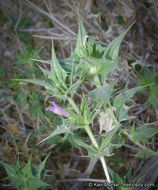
(132, 130)
(59, 130)
(86, 146)
(43, 83)
(106, 140)
(66, 64)
(23, 178)
(117, 179)
(80, 49)
(153, 96)
(117, 142)
(113, 48)
(123, 113)
(73, 88)
(42, 61)
(91, 66)
(144, 155)
(106, 152)
(103, 93)
(85, 46)
(45, 72)
(125, 96)
(150, 79)
(9, 169)
(144, 132)
(27, 169)
(56, 69)
(121, 181)
(41, 167)
(35, 183)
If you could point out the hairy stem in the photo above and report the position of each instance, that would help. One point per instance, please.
(96, 80)
(91, 136)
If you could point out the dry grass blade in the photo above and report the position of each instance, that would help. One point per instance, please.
(52, 17)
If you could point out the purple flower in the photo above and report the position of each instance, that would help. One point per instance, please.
(57, 109)
(89, 98)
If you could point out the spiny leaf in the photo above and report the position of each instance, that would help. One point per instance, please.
(41, 167)
(36, 82)
(45, 72)
(72, 89)
(9, 169)
(86, 146)
(80, 49)
(42, 61)
(59, 130)
(66, 64)
(56, 69)
(106, 140)
(117, 179)
(92, 66)
(113, 48)
(144, 132)
(103, 93)
(125, 96)
(143, 154)
(27, 169)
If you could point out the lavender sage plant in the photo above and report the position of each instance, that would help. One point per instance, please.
(92, 62)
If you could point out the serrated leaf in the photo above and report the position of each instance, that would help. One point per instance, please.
(85, 46)
(86, 146)
(125, 96)
(128, 175)
(117, 179)
(59, 130)
(117, 142)
(95, 50)
(9, 169)
(153, 96)
(143, 133)
(56, 69)
(43, 83)
(144, 155)
(150, 79)
(41, 167)
(106, 152)
(80, 49)
(42, 61)
(36, 183)
(66, 64)
(73, 88)
(106, 140)
(45, 72)
(132, 130)
(103, 93)
(113, 48)
(123, 113)
(27, 169)
(92, 66)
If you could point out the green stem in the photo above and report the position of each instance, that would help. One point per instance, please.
(96, 80)
(113, 116)
(91, 136)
